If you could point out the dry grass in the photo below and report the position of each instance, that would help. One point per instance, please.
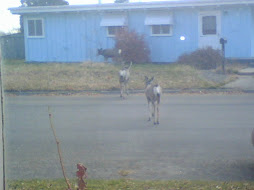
(20, 76)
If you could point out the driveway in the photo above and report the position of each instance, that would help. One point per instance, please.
(199, 137)
(245, 80)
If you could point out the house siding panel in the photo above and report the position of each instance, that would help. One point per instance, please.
(236, 28)
(169, 48)
(56, 37)
(75, 37)
(252, 32)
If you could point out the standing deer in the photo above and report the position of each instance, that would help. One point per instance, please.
(153, 95)
(109, 53)
(124, 76)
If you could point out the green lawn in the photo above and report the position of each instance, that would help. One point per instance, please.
(20, 76)
(127, 184)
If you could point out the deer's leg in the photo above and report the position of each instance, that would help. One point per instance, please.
(124, 90)
(158, 113)
(121, 90)
(153, 114)
(149, 111)
(127, 91)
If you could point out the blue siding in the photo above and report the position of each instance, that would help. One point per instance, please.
(237, 29)
(69, 38)
(168, 48)
(252, 32)
(75, 37)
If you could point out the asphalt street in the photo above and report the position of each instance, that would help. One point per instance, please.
(200, 137)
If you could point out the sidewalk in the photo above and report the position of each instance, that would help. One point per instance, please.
(247, 71)
(245, 80)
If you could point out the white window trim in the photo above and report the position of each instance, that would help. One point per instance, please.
(218, 22)
(43, 28)
(170, 34)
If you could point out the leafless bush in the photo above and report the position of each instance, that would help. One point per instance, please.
(204, 59)
(133, 47)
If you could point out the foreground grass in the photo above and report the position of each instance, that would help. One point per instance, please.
(20, 76)
(124, 184)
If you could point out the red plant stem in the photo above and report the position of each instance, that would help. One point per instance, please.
(59, 150)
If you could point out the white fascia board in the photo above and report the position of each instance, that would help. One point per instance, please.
(128, 6)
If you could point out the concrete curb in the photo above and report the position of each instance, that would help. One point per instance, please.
(108, 92)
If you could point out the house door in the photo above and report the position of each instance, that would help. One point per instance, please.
(209, 29)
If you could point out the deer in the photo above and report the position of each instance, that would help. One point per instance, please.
(124, 76)
(109, 53)
(153, 95)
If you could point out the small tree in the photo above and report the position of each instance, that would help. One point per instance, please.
(133, 47)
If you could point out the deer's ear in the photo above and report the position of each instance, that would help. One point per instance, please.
(146, 78)
(151, 79)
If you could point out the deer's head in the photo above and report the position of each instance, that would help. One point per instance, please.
(99, 51)
(148, 81)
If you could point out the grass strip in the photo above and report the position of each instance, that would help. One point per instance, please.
(125, 184)
(21, 76)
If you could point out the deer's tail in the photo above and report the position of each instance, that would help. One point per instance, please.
(157, 92)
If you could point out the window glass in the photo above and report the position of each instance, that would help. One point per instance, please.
(31, 29)
(209, 25)
(161, 29)
(38, 27)
(165, 29)
(156, 29)
(35, 27)
(112, 30)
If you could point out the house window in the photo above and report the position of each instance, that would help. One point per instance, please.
(35, 28)
(209, 25)
(163, 30)
(161, 23)
(112, 30)
(113, 23)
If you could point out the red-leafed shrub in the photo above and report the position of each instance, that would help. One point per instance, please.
(133, 47)
(206, 58)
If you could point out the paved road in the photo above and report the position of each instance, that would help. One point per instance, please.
(200, 137)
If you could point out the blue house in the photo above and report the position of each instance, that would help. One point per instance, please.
(73, 33)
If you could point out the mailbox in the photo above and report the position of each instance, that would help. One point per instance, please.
(223, 41)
